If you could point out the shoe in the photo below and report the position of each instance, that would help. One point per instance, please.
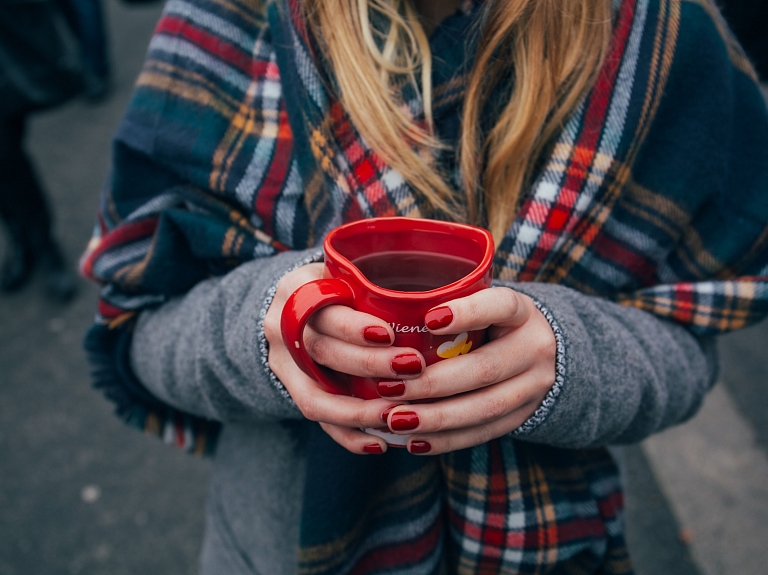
(22, 259)
(17, 267)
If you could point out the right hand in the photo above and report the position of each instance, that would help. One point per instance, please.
(335, 338)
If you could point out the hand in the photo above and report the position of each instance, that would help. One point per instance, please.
(488, 392)
(336, 338)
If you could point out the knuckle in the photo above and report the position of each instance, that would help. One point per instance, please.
(317, 348)
(546, 378)
(281, 292)
(544, 351)
(437, 420)
(277, 364)
(512, 301)
(448, 443)
(473, 311)
(370, 363)
(309, 408)
(333, 321)
(487, 369)
(427, 385)
(493, 408)
(272, 328)
(545, 343)
(348, 331)
(359, 419)
(539, 338)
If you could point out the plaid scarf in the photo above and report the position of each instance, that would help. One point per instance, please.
(653, 196)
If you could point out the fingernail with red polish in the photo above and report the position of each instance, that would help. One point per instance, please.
(387, 388)
(386, 412)
(419, 447)
(376, 334)
(438, 318)
(373, 448)
(406, 364)
(403, 421)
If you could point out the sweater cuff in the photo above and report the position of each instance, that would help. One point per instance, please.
(310, 256)
(549, 400)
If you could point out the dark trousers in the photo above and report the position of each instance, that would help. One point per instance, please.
(23, 207)
(86, 19)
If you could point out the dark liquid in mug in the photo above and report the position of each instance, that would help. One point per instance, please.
(413, 271)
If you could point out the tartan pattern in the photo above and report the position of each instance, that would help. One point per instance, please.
(234, 148)
(519, 508)
(395, 525)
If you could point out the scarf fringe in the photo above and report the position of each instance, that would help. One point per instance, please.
(108, 353)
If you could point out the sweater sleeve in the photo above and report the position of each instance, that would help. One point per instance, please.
(205, 352)
(622, 374)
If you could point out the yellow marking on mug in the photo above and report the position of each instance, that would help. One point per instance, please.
(458, 346)
(296, 343)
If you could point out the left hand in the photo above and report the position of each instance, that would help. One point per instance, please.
(492, 390)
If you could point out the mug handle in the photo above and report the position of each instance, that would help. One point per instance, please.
(299, 307)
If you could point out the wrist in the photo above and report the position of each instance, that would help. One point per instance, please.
(548, 402)
(302, 259)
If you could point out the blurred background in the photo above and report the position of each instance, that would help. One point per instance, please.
(80, 493)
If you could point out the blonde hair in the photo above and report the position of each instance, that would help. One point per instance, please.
(553, 47)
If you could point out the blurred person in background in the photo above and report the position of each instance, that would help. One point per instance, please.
(618, 153)
(39, 69)
(86, 18)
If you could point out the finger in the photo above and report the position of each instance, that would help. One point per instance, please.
(520, 395)
(492, 363)
(373, 362)
(291, 281)
(316, 404)
(344, 323)
(494, 306)
(355, 440)
(447, 441)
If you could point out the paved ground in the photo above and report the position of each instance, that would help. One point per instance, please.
(81, 494)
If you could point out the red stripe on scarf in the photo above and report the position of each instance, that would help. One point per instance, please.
(216, 46)
(411, 552)
(377, 193)
(494, 541)
(299, 23)
(497, 499)
(619, 255)
(269, 192)
(123, 234)
(345, 136)
(367, 168)
(611, 504)
(108, 311)
(589, 138)
(587, 528)
(685, 303)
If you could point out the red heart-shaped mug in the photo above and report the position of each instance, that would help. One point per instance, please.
(396, 269)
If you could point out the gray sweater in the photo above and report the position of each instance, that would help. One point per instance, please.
(622, 375)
